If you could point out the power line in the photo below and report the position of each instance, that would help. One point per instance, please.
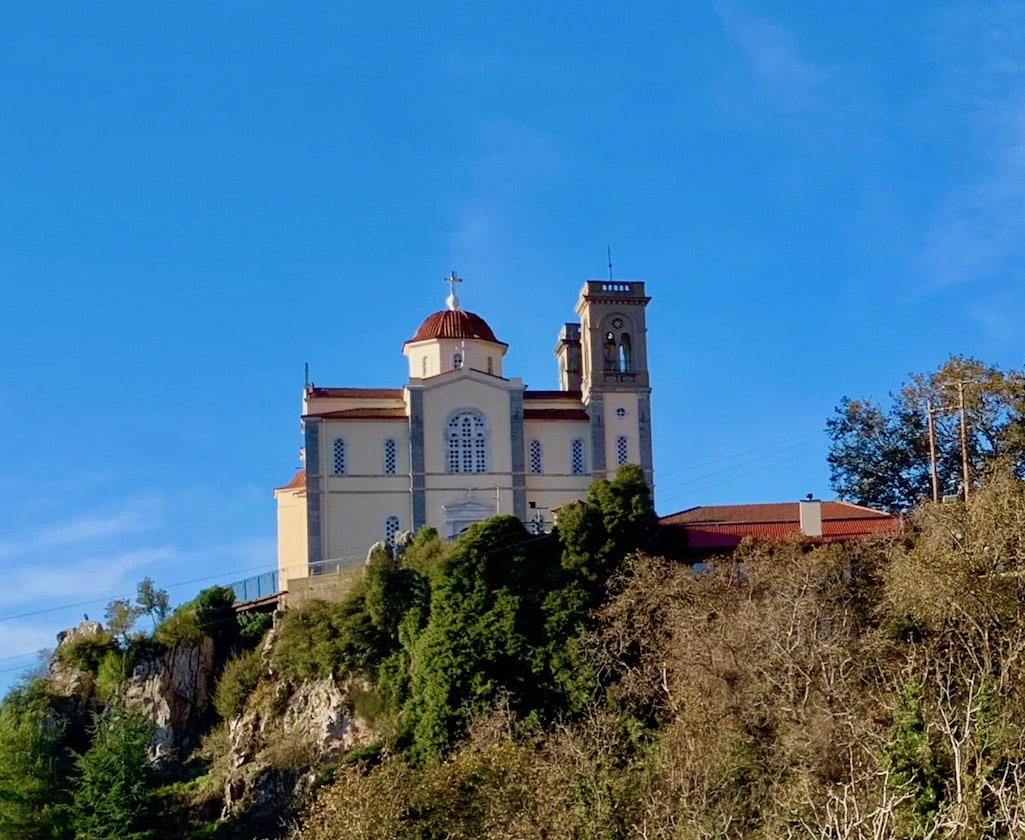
(744, 475)
(109, 598)
(814, 447)
(743, 452)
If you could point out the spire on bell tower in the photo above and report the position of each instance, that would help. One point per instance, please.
(452, 302)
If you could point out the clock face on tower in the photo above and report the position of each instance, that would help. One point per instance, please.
(617, 323)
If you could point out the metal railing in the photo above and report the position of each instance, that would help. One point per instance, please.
(255, 588)
(334, 565)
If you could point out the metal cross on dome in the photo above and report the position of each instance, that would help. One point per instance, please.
(453, 301)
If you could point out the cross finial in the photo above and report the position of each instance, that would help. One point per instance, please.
(453, 301)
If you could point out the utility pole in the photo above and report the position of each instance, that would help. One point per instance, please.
(964, 437)
(932, 451)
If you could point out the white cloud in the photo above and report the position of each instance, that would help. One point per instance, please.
(80, 530)
(507, 162)
(794, 82)
(976, 234)
(61, 581)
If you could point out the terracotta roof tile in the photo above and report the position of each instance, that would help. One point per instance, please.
(355, 393)
(725, 526)
(555, 414)
(454, 323)
(362, 414)
(551, 395)
(772, 512)
(298, 482)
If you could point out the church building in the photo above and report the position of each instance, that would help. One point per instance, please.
(461, 440)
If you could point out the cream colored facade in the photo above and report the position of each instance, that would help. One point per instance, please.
(460, 442)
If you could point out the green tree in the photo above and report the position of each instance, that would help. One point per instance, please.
(879, 455)
(477, 647)
(152, 601)
(617, 517)
(33, 766)
(120, 617)
(913, 763)
(113, 789)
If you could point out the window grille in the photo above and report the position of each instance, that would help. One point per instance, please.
(577, 464)
(622, 450)
(536, 462)
(390, 456)
(457, 360)
(338, 461)
(391, 528)
(466, 442)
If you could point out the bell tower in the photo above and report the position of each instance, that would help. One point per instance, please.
(614, 382)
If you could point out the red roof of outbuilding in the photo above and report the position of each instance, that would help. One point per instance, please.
(771, 512)
(454, 323)
(724, 526)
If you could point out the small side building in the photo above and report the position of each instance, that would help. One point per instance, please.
(700, 532)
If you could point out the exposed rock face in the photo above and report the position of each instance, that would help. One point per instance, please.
(67, 680)
(172, 690)
(275, 742)
(171, 687)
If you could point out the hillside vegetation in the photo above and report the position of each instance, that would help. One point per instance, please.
(569, 686)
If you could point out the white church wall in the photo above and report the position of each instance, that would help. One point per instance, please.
(621, 415)
(364, 446)
(447, 397)
(292, 541)
(436, 356)
(358, 513)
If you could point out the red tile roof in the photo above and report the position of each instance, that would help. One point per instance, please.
(555, 414)
(355, 393)
(298, 482)
(362, 414)
(771, 512)
(454, 323)
(551, 395)
(724, 526)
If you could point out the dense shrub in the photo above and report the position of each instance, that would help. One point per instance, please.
(319, 639)
(238, 679)
(88, 652)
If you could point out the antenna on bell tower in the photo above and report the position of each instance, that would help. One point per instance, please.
(609, 249)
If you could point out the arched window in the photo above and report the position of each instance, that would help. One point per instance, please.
(423, 368)
(391, 528)
(536, 460)
(391, 450)
(466, 442)
(457, 360)
(609, 351)
(578, 466)
(622, 450)
(491, 365)
(617, 346)
(338, 456)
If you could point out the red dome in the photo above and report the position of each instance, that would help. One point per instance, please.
(454, 323)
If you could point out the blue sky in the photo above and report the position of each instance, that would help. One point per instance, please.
(198, 199)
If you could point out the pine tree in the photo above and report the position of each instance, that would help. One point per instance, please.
(112, 792)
